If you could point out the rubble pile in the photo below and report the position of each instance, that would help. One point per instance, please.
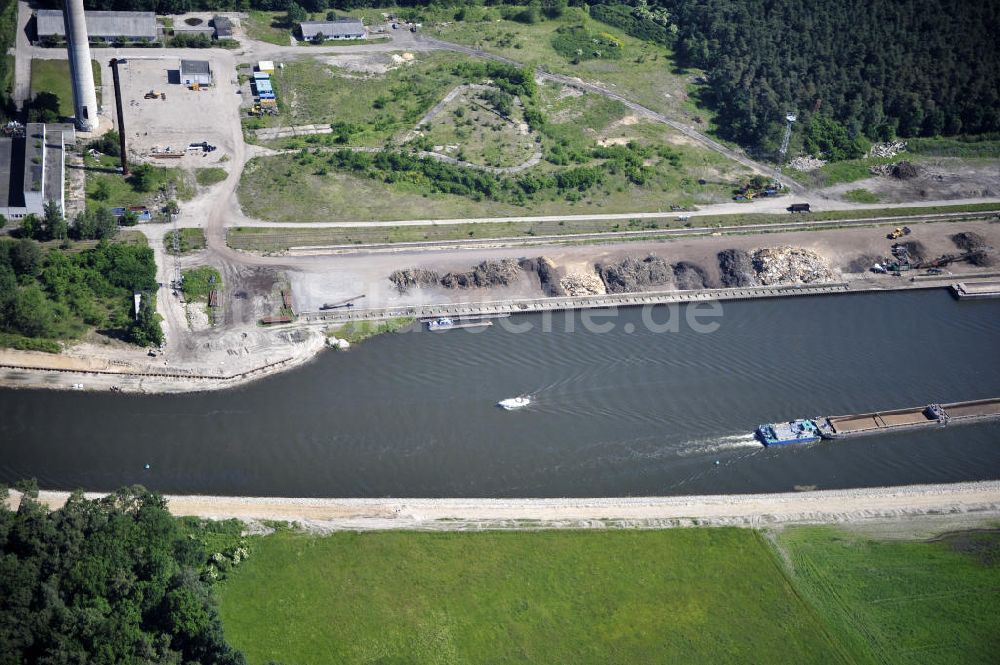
(631, 274)
(410, 277)
(689, 277)
(582, 284)
(978, 253)
(790, 265)
(486, 274)
(890, 149)
(903, 170)
(736, 268)
(806, 163)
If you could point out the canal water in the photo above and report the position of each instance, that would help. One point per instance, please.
(630, 411)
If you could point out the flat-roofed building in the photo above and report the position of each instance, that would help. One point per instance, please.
(196, 71)
(101, 26)
(33, 169)
(344, 28)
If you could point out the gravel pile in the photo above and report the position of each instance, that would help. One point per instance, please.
(689, 277)
(969, 241)
(631, 274)
(736, 268)
(790, 265)
(582, 284)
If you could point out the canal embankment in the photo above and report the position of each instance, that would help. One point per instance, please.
(973, 500)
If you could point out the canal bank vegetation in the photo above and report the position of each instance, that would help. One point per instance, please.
(51, 293)
(359, 331)
(801, 595)
(111, 580)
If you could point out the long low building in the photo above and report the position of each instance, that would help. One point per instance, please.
(101, 26)
(345, 28)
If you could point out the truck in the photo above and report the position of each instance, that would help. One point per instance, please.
(798, 207)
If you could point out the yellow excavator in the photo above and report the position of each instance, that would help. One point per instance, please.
(898, 232)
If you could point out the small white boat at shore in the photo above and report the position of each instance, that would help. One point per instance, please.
(512, 403)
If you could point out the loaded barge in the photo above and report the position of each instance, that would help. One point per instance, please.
(862, 424)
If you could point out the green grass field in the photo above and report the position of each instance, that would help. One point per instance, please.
(191, 240)
(675, 596)
(53, 76)
(376, 106)
(902, 601)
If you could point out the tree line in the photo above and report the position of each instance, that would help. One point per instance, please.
(878, 68)
(106, 581)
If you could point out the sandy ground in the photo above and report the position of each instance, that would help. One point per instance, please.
(977, 500)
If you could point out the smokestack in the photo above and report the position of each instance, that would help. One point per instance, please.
(78, 45)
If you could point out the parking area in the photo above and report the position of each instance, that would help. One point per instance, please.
(163, 116)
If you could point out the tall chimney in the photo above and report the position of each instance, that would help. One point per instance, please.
(78, 45)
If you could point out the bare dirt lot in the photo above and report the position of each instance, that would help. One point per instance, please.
(186, 116)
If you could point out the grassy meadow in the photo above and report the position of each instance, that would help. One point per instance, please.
(709, 595)
(691, 596)
(899, 601)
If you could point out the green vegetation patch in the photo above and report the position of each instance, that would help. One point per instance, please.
(969, 147)
(145, 186)
(8, 30)
(210, 176)
(54, 295)
(576, 43)
(268, 27)
(902, 601)
(861, 196)
(359, 331)
(685, 595)
(197, 283)
(364, 108)
(191, 240)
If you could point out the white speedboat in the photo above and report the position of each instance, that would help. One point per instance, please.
(512, 403)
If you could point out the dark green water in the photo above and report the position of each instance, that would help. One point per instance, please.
(618, 413)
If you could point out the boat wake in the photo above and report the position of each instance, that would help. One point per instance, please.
(718, 445)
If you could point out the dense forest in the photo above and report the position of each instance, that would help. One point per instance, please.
(108, 581)
(879, 68)
(48, 294)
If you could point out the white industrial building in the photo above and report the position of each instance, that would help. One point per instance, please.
(33, 168)
(196, 71)
(101, 26)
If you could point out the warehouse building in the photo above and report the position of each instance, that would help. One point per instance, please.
(33, 168)
(345, 28)
(101, 26)
(196, 71)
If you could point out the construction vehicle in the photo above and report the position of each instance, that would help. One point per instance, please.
(899, 232)
(195, 86)
(152, 94)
